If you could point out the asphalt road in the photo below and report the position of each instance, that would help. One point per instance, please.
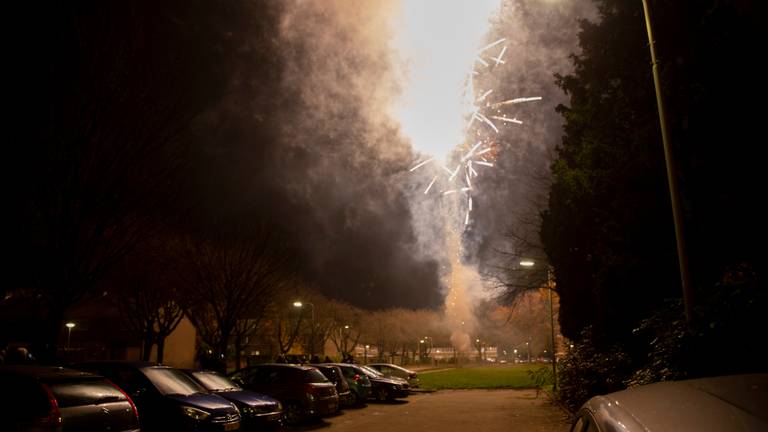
(451, 411)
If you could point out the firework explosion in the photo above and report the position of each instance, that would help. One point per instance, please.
(482, 154)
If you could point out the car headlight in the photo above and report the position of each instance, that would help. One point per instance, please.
(195, 413)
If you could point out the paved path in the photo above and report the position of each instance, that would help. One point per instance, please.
(452, 411)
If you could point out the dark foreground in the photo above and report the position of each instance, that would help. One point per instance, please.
(452, 411)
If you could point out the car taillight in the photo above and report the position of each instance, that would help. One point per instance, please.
(54, 415)
(130, 401)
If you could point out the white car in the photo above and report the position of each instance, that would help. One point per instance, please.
(736, 403)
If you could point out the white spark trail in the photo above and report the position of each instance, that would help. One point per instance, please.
(422, 164)
(482, 98)
(430, 185)
(471, 151)
(483, 151)
(484, 163)
(491, 45)
(484, 63)
(498, 59)
(454, 172)
(469, 183)
(485, 119)
(508, 120)
(470, 203)
(448, 192)
(517, 101)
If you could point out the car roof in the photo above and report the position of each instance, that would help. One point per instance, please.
(46, 373)
(134, 364)
(736, 402)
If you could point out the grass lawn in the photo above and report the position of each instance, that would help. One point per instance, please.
(490, 377)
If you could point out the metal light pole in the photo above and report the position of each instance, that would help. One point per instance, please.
(552, 327)
(70, 326)
(298, 304)
(530, 263)
(674, 192)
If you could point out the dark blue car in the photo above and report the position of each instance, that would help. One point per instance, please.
(258, 411)
(167, 399)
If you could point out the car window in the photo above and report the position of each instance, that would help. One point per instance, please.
(171, 381)
(578, 425)
(91, 392)
(314, 376)
(212, 381)
(585, 423)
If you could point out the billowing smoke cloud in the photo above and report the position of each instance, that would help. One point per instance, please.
(342, 160)
(321, 153)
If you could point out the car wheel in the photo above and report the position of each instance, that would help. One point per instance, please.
(382, 395)
(292, 413)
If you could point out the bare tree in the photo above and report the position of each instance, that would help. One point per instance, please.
(346, 329)
(99, 165)
(232, 279)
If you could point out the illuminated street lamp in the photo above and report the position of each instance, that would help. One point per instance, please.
(365, 354)
(530, 263)
(70, 326)
(300, 305)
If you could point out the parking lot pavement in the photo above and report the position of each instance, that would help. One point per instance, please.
(452, 411)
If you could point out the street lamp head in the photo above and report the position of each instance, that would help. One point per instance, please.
(527, 263)
(298, 304)
(70, 325)
(346, 327)
(367, 346)
(421, 341)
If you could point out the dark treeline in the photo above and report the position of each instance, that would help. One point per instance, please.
(608, 228)
(109, 152)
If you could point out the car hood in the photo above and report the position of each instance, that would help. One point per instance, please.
(205, 401)
(733, 403)
(247, 397)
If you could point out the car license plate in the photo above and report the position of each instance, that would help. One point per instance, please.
(232, 426)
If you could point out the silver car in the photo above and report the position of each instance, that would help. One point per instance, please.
(389, 369)
(736, 403)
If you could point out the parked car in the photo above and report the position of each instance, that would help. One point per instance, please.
(393, 370)
(737, 403)
(336, 376)
(358, 381)
(46, 398)
(303, 390)
(167, 399)
(257, 411)
(383, 388)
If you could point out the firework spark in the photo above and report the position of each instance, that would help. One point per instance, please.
(483, 113)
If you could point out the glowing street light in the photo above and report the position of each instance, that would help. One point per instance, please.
(70, 326)
(530, 263)
(300, 305)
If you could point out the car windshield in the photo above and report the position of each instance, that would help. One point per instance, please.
(90, 392)
(172, 382)
(371, 371)
(214, 382)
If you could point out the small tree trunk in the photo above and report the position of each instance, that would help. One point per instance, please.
(160, 348)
